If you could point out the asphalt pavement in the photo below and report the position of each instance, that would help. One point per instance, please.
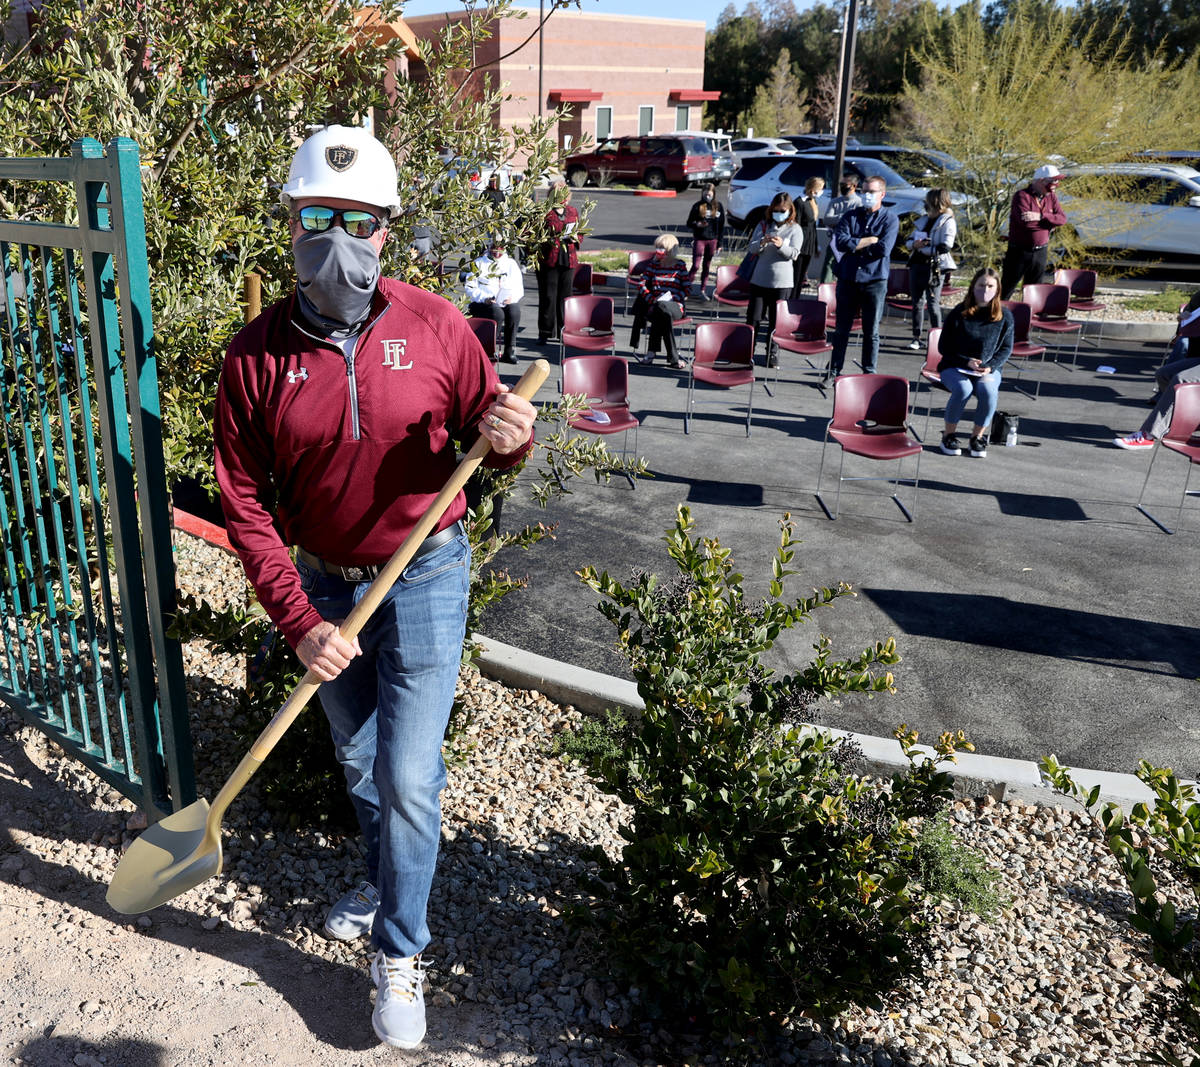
(1033, 605)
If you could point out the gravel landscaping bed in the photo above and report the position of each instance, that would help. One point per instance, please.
(1057, 978)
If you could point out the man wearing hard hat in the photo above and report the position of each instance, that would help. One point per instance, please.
(336, 421)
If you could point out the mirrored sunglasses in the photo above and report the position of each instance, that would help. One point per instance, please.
(318, 219)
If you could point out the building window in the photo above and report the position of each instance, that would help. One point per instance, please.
(645, 120)
(603, 124)
(682, 111)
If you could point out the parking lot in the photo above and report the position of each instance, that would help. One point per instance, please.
(1033, 606)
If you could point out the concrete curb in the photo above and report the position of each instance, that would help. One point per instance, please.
(975, 774)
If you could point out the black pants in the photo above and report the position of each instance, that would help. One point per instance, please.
(661, 316)
(760, 295)
(554, 286)
(925, 285)
(799, 275)
(507, 319)
(1027, 265)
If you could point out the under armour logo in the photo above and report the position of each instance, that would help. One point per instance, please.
(300, 375)
(393, 353)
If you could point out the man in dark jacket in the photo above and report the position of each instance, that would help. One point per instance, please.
(337, 415)
(1034, 215)
(864, 239)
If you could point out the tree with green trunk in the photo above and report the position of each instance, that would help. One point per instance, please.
(779, 103)
(1038, 89)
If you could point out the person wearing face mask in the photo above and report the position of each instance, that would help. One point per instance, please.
(706, 220)
(495, 289)
(930, 262)
(838, 206)
(663, 285)
(558, 256)
(863, 241)
(777, 240)
(807, 213)
(337, 416)
(1034, 214)
(975, 343)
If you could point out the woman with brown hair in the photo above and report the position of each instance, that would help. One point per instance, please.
(777, 240)
(706, 220)
(975, 343)
(930, 261)
(807, 213)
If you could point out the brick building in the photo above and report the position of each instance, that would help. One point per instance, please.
(617, 74)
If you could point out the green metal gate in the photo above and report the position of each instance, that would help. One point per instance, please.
(83, 496)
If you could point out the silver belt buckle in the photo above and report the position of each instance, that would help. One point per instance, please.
(354, 574)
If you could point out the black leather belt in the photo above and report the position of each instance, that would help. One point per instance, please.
(370, 571)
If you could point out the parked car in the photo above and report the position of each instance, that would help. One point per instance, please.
(753, 147)
(479, 174)
(755, 185)
(656, 160)
(1163, 220)
(921, 166)
(822, 142)
(720, 145)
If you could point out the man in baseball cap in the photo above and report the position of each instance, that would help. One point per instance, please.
(337, 417)
(1034, 215)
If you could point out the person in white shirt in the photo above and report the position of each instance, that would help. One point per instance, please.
(495, 288)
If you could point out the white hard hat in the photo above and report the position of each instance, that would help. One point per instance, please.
(1046, 171)
(346, 163)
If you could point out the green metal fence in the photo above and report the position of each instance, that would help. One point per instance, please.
(83, 498)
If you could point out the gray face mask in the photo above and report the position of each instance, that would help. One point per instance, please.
(337, 276)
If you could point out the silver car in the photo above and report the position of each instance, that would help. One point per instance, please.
(1161, 216)
(756, 184)
(725, 163)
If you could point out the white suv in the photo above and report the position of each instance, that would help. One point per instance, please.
(1164, 219)
(755, 185)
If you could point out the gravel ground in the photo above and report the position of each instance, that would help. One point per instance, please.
(236, 971)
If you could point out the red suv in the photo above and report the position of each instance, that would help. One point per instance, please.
(657, 160)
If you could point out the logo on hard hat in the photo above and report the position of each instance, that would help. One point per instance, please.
(340, 157)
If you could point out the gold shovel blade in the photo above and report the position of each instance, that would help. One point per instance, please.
(170, 858)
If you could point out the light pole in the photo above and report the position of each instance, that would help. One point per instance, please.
(541, 42)
(845, 84)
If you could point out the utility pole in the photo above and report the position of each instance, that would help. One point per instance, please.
(845, 85)
(541, 52)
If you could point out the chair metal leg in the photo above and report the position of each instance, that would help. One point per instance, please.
(691, 393)
(750, 407)
(1142, 494)
(821, 474)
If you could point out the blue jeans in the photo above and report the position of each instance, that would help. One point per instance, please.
(387, 713)
(961, 387)
(851, 295)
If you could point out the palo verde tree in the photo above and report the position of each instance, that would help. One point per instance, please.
(216, 105)
(997, 101)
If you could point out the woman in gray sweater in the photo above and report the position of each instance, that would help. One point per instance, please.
(777, 240)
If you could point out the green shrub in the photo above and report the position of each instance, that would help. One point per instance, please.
(950, 870)
(1153, 844)
(594, 739)
(760, 877)
(1169, 300)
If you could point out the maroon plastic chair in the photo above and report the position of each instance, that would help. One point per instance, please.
(1049, 306)
(485, 331)
(731, 290)
(800, 328)
(1082, 284)
(724, 357)
(929, 374)
(899, 289)
(581, 283)
(827, 294)
(870, 419)
(1023, 349)
(637, 260)
(587, 326)
(1182, 436)
(604, 382)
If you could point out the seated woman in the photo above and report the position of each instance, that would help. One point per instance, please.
(495, 289)
(663, 285)
(976, 340)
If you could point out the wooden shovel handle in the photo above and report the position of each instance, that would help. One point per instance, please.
(531, 381)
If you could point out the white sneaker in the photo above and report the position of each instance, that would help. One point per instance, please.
(399, 1015)
(353, 915)
(916, 346)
